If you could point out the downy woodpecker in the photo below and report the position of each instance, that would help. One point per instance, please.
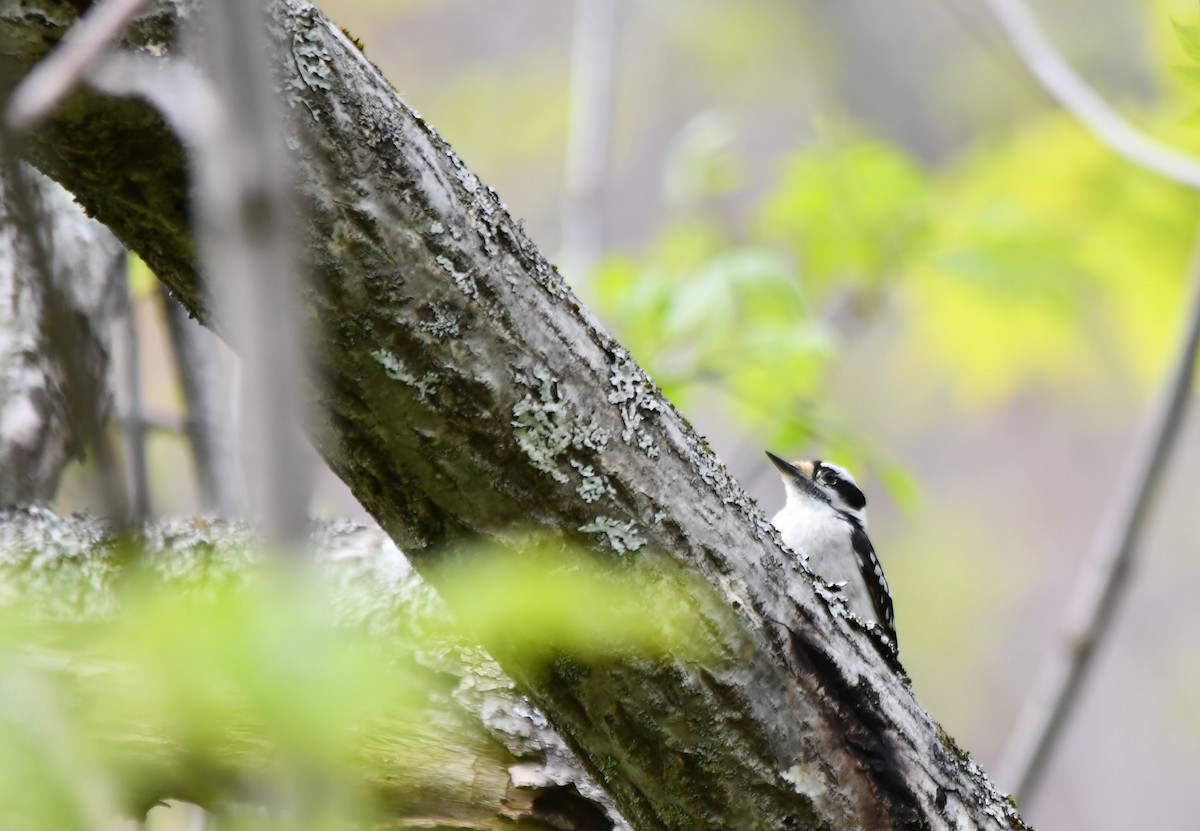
(825, 521)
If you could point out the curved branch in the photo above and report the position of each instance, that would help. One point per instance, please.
(1083, 102)
(1102, 584)
(1057, 685)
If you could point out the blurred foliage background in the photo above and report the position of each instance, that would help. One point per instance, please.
(861, 231)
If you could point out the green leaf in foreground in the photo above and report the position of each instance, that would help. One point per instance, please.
(264, 696)
(547, 600)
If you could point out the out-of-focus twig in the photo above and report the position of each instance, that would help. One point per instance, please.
(243, 210)
(229, 123)
(55, 77)
(158, 422)
(593, 77)
(208, 422)
(1101, 586)
(1083, 102)
(133, 420)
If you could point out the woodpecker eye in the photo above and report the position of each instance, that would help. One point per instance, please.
(826, 476)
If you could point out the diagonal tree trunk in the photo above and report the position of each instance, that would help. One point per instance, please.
(460, 387)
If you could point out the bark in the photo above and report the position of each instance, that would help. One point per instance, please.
(461, 389)
(497, 762)
(59, 295)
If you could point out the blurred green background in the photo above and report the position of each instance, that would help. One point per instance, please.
(860, 231)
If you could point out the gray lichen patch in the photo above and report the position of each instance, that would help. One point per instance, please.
(313, 63)
(832, 595)
(714, 474)
(312, 59)
(443, 323)
(464, 281)
(594, 485)
(466, 177)
(396, 369)
(488, 239)
(212, 552)
(543, 426)
(808, 778)
(636, 396)
(66, 568)
(546, 429)
(621, 536)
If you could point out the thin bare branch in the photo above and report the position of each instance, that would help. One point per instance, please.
(1083, 102)
(593, 76)
(133, 423)
(241, 200)
(246, 248)
(208, 422)
(1102, 584)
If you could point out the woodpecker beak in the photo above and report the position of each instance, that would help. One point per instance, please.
(797, 477)
(799, 470)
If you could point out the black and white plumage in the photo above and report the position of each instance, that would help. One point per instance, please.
(825, 521)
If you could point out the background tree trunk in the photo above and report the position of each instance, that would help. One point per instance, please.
(463, 392)
(62, 286)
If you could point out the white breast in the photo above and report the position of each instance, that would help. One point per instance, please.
(822, 537)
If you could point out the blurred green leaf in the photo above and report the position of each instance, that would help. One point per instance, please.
(852, 211)
(48, 778)
(223, 690)
(706, 318)
(543, 600)
(1189, 39)
(1052, 261)
(735, 323)
(1190, 75)
(699, 164)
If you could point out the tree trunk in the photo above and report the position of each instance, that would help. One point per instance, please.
(60, 290)
(463, 392)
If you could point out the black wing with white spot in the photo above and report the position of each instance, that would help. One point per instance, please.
(877, 584)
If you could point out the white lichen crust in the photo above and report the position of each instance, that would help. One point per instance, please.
(637, 398)
(546, 428)
(395, 368)
(621, 537)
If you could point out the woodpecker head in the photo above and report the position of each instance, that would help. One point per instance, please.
(825, 482)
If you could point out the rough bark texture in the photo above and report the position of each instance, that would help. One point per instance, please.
(497, 762)
(59, 295)
(461, 389)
